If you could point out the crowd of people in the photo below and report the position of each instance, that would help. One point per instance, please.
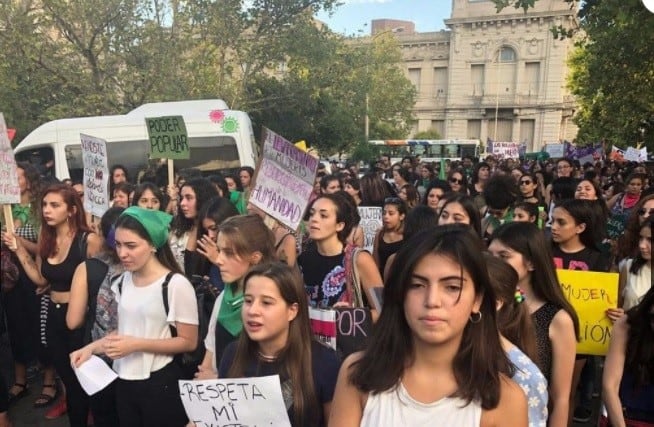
(474, 328)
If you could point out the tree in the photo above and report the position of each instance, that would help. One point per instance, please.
(612, 70)
(428, 134)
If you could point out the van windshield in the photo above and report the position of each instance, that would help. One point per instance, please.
(209, 154)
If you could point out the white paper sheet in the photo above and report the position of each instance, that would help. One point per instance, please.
(94, 375)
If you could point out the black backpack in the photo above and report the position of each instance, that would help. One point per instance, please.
(96, 272)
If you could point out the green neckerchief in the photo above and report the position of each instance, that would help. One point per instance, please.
(229, 313)
(237, 199)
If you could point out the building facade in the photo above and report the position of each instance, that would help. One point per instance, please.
(499, 76)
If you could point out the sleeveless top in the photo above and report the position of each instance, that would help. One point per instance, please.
(542, 319)
(178, 248)
(385, 250)
(637, 284)
(60, 275)
(324, 277)
(534, 385)
(395, 407)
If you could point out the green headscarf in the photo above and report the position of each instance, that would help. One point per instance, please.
(155, 222)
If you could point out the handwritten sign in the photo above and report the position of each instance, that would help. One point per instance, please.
(96, 175)
(232, 402)
(353, 327)
(168, 138)
(284, 180)
(9, 189)
(323, 326)
(556, 151)
(591, 294)
(371, 221)
(506, 150)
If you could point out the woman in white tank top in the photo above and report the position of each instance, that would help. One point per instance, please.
(435, 357)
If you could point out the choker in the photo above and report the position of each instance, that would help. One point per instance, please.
(266, 358)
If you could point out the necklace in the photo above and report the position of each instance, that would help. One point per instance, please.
(266, 358)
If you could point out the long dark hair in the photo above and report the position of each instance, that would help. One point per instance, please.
(480, 359)
(346, 212)
(204, 191)
(295, 359)
(628, 242)
(468, 205)
(109, 232)
(33, 179)
(513, 318)
(156, 192)
(76, 220)
(583, 212)
(527, 239)
(639, 354)
(639, 261)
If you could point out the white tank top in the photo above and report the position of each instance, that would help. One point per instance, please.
(394, 407)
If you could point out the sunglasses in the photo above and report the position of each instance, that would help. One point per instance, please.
(456, 181)
(644, 211)
(525, 182)
(392, 201)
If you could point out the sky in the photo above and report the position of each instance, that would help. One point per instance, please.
(355, 15)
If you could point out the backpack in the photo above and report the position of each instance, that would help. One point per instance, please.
(205, 296)
(96, 272)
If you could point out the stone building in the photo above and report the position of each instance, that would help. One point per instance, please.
(492, 75)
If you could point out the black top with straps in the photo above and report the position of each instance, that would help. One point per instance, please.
(60, 276)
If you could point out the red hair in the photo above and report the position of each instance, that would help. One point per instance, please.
(76, 221)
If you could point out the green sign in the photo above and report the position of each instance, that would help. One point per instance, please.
(168, 138)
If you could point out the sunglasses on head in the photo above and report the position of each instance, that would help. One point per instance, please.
(644, 211)
(525, 182)
(392, 200)
(456, 181)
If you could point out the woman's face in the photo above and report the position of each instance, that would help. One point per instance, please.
(440, 300)
(149, 201)
(634, 186)
(211, 228)
(23, 185)
(484, 173)
(231, 184)
(351, 190)
(119, 176)
(322, 220)
(132, 250)
(512, 257)
(266, 315)
(232, 266)
(391, 217)
(521, 215)
(188, 203)
(424, 172)
(645, 243)
(121, 199)
(245, 178)
(453, 213)
(402, 194)
(585, 191)
(435, 194)
(527, 185)
(564, 227)
(646, 211)
(456, 182)
(55, 210)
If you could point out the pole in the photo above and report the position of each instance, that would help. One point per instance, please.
(497, 89)
(367, 120)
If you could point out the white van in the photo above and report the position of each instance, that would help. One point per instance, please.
(220, 139)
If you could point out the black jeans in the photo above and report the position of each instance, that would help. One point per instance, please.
(103, 407)
(152, 402)
(61, 342)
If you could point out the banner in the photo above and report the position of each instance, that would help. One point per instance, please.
(591, 294)
(371, 222)
(284, 180)
(556, 151)
(168, 137)
(9, 189)
(506, 150)
(96, 175)
(255, 401)
(635, 155)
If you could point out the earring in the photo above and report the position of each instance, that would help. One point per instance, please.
(475, 317)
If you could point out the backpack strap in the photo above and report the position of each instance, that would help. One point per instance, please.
(96, 272)
(164, 295)
(84, 244)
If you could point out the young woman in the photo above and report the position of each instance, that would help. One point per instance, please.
(518, 337)
(193, 194)
(523, 246)
(245, 174)
(628, 381)
(434, 193)
(143, 346)
(149, 196)
(278, 341)
(61, 244)
(389, 238)
(457, 181)
(243, 241)
(353, 188)
(480, 175)
(374, 190)
(330, 184)
(118, 174)
(409, 195)
(330, 221)
(121, 195)
(622, 204)
(438, 322)
(103, 403)
(460, 209)
(628, 243)
(588, 190)
(525, 212)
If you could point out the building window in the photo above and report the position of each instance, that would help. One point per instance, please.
(532, 77)
(438, 126)
(440, 82)
(474, 129)
(477, 79)
(414, 77)
(507, 54)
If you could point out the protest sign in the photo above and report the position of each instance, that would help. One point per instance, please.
(323, 326)
(284, 180)
(591, 294)
(371, 222)
(168, 137)
(353, 327)
(556, 151)
(506, 150)
(9, 189)
(255, 401)
(617, 154)
(636, 155)
(96, 175)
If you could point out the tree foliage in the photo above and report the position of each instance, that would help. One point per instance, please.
(612, 70)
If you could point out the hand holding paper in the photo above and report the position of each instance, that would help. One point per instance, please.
(94, 375)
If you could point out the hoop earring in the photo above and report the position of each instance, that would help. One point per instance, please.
(474, 318)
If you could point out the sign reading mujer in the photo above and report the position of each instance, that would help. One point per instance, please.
(284, 180)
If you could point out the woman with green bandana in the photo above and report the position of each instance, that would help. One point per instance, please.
(144, 345)
(243, 241)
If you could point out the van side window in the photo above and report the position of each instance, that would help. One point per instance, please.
(42, 158)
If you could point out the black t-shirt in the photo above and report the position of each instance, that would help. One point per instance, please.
(324, 277)
(587, 259)
(325, 366)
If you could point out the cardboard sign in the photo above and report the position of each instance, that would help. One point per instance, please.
(371, 222)
(284, 180)
(323, 326)
(353, 327)
(255, 401)
(556, 151)
(506, 150)
(168, 137)
(96, 175)
(9, 189)
(591, 294)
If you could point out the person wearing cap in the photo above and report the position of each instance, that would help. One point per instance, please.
(143, 347)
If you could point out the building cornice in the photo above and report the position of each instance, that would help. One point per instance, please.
(512, 18)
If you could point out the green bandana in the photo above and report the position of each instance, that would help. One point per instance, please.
(229, 313)
(155, 222)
